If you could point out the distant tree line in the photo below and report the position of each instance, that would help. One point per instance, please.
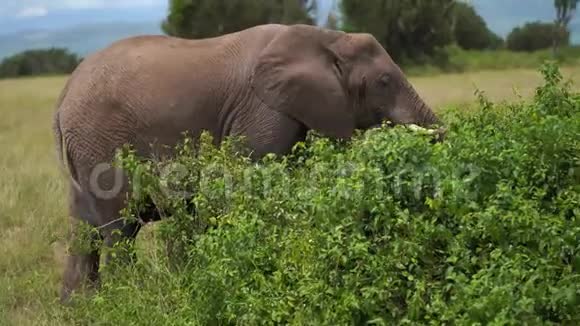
(208, 18)
(410, 30)
(39, 62)
(536, 36)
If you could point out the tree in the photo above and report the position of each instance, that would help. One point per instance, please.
(208, 18)
(470, 30)
(565, 10)
(536, 36)
(332, 21)
(39, 62)
(409, 30)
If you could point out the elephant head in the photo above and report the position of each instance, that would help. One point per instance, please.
(335, 82)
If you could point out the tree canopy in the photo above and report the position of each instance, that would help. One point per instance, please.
(565, 10)
(407, 29)
(471, 31)
(208, 18)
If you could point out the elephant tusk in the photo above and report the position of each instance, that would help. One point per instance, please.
(416, 128)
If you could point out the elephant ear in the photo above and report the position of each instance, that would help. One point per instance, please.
(299, 74)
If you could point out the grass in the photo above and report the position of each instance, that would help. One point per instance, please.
(33, 222)
(504, 85)
(456, 60)
(32, 209)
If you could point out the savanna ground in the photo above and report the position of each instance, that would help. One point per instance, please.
(33, 221)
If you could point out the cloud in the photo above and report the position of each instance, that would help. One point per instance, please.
(36, 8)
(37, 11)
(96, 4)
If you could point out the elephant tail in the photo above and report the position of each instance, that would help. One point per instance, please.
(61, 146)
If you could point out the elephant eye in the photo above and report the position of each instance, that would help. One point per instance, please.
(384, 80)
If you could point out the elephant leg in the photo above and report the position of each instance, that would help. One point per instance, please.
(82, 261)
(269, 131)
(110, 188)
(83, 255)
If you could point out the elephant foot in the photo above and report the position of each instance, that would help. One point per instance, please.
(81, 272)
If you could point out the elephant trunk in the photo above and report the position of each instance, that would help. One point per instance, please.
(421, 114)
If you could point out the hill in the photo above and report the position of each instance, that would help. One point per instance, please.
(81, 39)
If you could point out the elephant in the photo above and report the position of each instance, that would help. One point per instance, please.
(269, 83)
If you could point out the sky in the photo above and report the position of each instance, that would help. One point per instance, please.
(22, 15)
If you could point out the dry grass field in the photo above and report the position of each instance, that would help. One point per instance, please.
(33, 222)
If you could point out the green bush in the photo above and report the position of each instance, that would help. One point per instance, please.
(39, 62)
(385, 229)
(536, 36)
